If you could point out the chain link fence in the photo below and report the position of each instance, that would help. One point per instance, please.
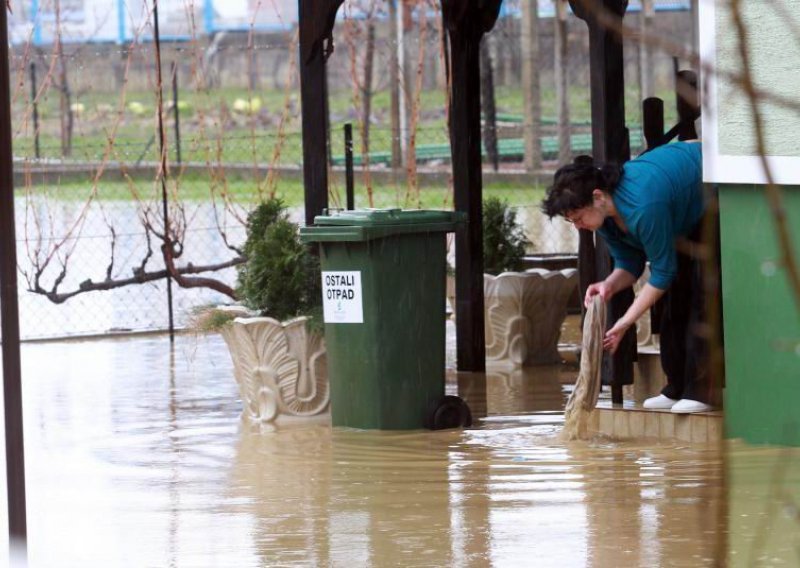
(90, 191)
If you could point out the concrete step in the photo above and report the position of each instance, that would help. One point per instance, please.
(630, 420)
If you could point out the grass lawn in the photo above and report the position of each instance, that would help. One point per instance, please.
(245, 192)
(212, 131)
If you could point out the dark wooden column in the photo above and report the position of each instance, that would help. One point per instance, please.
(466, 22)
(610, 143)
(316, 44)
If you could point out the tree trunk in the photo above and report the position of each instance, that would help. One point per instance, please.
(65, 98)
(67, 119)
(414, 114)
(366, 93)
(366, 106)
(488, 103)
(394, 86)
(645, 51)
(695, 26)
(562, 82)
(529, 49)
(407, 78)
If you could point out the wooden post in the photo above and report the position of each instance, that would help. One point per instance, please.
(9, 317)
(466, 22)
(529, 50)
(609, 144)
(316, 44)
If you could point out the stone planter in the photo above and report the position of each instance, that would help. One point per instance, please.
(524, 313)
(280, 367)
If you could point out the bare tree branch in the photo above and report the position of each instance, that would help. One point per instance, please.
(140, 277)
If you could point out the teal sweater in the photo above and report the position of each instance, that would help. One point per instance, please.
(660, 198)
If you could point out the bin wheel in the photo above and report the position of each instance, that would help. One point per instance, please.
(448, 412)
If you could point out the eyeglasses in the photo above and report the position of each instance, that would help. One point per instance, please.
(575, 219)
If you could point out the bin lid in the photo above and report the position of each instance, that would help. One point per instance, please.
(368, 224)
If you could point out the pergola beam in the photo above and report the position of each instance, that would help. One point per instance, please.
(316, 20)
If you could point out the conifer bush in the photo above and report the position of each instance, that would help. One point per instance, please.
(280, 278)
(504, 241)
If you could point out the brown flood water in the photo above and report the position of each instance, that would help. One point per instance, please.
(136, 457)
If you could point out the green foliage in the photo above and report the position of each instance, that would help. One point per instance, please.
(281, 278)
(504, 241)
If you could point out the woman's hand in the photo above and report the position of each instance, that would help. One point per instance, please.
(602, 289)
(615, 334)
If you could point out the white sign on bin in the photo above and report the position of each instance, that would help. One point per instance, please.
(341, 297)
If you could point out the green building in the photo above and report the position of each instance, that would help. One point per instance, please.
(761, 305)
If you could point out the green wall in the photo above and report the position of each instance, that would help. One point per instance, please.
(762, 320)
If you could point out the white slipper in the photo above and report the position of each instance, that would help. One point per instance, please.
(659, 402)
(686, 406)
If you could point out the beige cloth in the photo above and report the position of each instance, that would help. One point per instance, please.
(587, 388)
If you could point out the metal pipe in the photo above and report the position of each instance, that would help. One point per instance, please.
(348, 166)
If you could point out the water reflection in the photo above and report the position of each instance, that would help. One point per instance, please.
(137, 457)
(526, 389)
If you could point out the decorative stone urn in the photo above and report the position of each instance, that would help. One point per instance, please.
(280, 367)
(524, 313)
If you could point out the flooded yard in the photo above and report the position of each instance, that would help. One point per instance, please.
(136, 457)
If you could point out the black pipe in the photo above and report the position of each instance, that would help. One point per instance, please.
(177, 113)
(348, 166)
(9, 317)
(36, 148)
(161, 143)
(653, 121)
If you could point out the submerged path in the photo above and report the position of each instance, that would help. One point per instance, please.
(136, 457)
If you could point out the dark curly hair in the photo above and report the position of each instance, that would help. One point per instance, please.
(574, 183)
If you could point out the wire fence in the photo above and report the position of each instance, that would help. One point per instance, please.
(90, 207)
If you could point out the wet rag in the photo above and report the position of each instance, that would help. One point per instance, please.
(587, 388)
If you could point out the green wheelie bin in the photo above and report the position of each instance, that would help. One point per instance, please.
(383, 293)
